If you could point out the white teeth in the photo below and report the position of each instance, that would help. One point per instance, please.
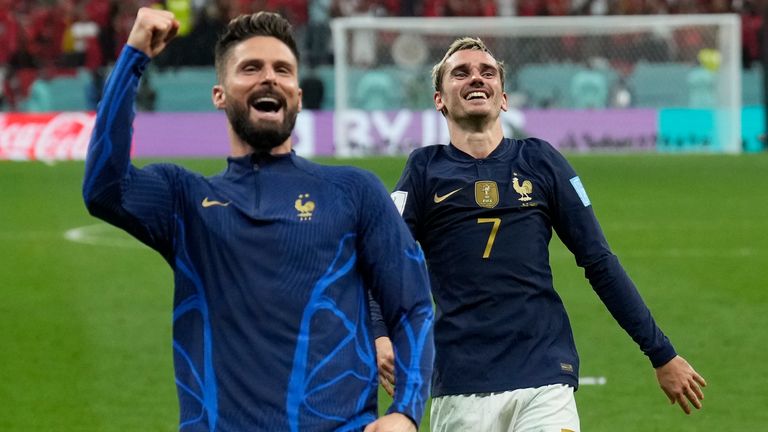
(266, 99)
(476, 95)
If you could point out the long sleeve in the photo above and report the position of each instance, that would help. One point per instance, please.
(399, 283)
(578, 228)
(137, 200)
(406, 208)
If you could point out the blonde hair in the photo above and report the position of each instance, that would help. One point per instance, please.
(465, 43)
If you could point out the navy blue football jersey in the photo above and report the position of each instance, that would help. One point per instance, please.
(274, 261)
(485, 227)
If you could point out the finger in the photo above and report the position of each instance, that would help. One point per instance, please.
(670, 396)
(370, 428)
(388, 387)
(699, 379)
(172, 32)
(683, 404)
(389, 376)
(697, 390)
(693, 397)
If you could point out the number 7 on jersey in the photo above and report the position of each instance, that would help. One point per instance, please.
(491, 238)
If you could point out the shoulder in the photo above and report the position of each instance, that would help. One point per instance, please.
(340, 176)
(171, 171)
(537, 151)
(427, 152)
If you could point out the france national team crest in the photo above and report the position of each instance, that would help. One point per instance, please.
(524, 189)
(305, 208)
(486, 194)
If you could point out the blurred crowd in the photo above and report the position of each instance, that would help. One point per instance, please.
(47, 38)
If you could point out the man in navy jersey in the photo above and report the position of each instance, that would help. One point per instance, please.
(274, 259)
(483, 209)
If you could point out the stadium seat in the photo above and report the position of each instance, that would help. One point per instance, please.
(660, 85)
(701, 88)
(589, 89)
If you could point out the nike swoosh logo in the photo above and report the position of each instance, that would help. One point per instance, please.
(439, 199)
(210, 203)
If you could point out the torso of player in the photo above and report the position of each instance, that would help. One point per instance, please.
(486, 223)
(485, 227)
(267, 243)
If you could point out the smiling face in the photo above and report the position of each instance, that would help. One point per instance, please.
(470, 87)
(259, 91)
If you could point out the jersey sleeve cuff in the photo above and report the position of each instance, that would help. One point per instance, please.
(662, 356)
(391, 410)
(134, 57)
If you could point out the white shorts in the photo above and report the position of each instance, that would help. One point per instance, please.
(550, 408)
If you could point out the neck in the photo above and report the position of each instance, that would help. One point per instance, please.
(478, 142)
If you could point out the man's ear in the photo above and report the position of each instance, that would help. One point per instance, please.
(504, 102)
(439, 104)
(301, 93)
(218, 97)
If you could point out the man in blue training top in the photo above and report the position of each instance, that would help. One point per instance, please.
(274, 259)
(483, 208)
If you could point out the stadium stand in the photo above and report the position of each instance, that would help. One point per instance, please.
(40, 34)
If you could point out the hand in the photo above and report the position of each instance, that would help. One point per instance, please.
(152, 31)
(681, 383)
(385, 360)
(394, 422)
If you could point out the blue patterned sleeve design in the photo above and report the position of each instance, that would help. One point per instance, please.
(397, 276)
(137, 200)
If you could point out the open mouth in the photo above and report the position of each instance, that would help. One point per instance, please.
(267, 104)
(475, 95)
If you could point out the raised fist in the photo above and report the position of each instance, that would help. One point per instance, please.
(152, 31)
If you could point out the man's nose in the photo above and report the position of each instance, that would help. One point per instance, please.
(269, 75)
(475, 77)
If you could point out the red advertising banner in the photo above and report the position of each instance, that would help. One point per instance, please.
(46, 137)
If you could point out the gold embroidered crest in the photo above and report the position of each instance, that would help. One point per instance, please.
(486, 194)
(305, 208)
(523, 189)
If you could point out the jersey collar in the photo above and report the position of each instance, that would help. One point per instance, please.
(503, 148)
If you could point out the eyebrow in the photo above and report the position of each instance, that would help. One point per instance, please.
(482, 66)
(262, 62)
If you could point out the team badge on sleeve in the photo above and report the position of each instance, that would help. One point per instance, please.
(576, 183)
(400, 197)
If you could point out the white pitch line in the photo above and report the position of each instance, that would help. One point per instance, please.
(100, 235)
(591, 380)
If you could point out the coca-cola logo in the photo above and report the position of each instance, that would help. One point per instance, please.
(47, 137)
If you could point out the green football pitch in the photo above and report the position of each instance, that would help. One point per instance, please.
(85, 342)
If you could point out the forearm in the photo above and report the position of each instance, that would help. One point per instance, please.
(620, 296)
(414, 355)
(108, 156)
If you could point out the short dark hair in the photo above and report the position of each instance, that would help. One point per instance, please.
(465, 43)
(245, 27)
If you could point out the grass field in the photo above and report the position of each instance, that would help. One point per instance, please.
(85, 328)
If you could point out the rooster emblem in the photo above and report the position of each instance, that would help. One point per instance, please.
(305, 209)
(523, 190)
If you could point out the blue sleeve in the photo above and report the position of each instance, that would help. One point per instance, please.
(138, 200)
(396, 273)
(409, 186)
(575, 223)
(403, 196)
